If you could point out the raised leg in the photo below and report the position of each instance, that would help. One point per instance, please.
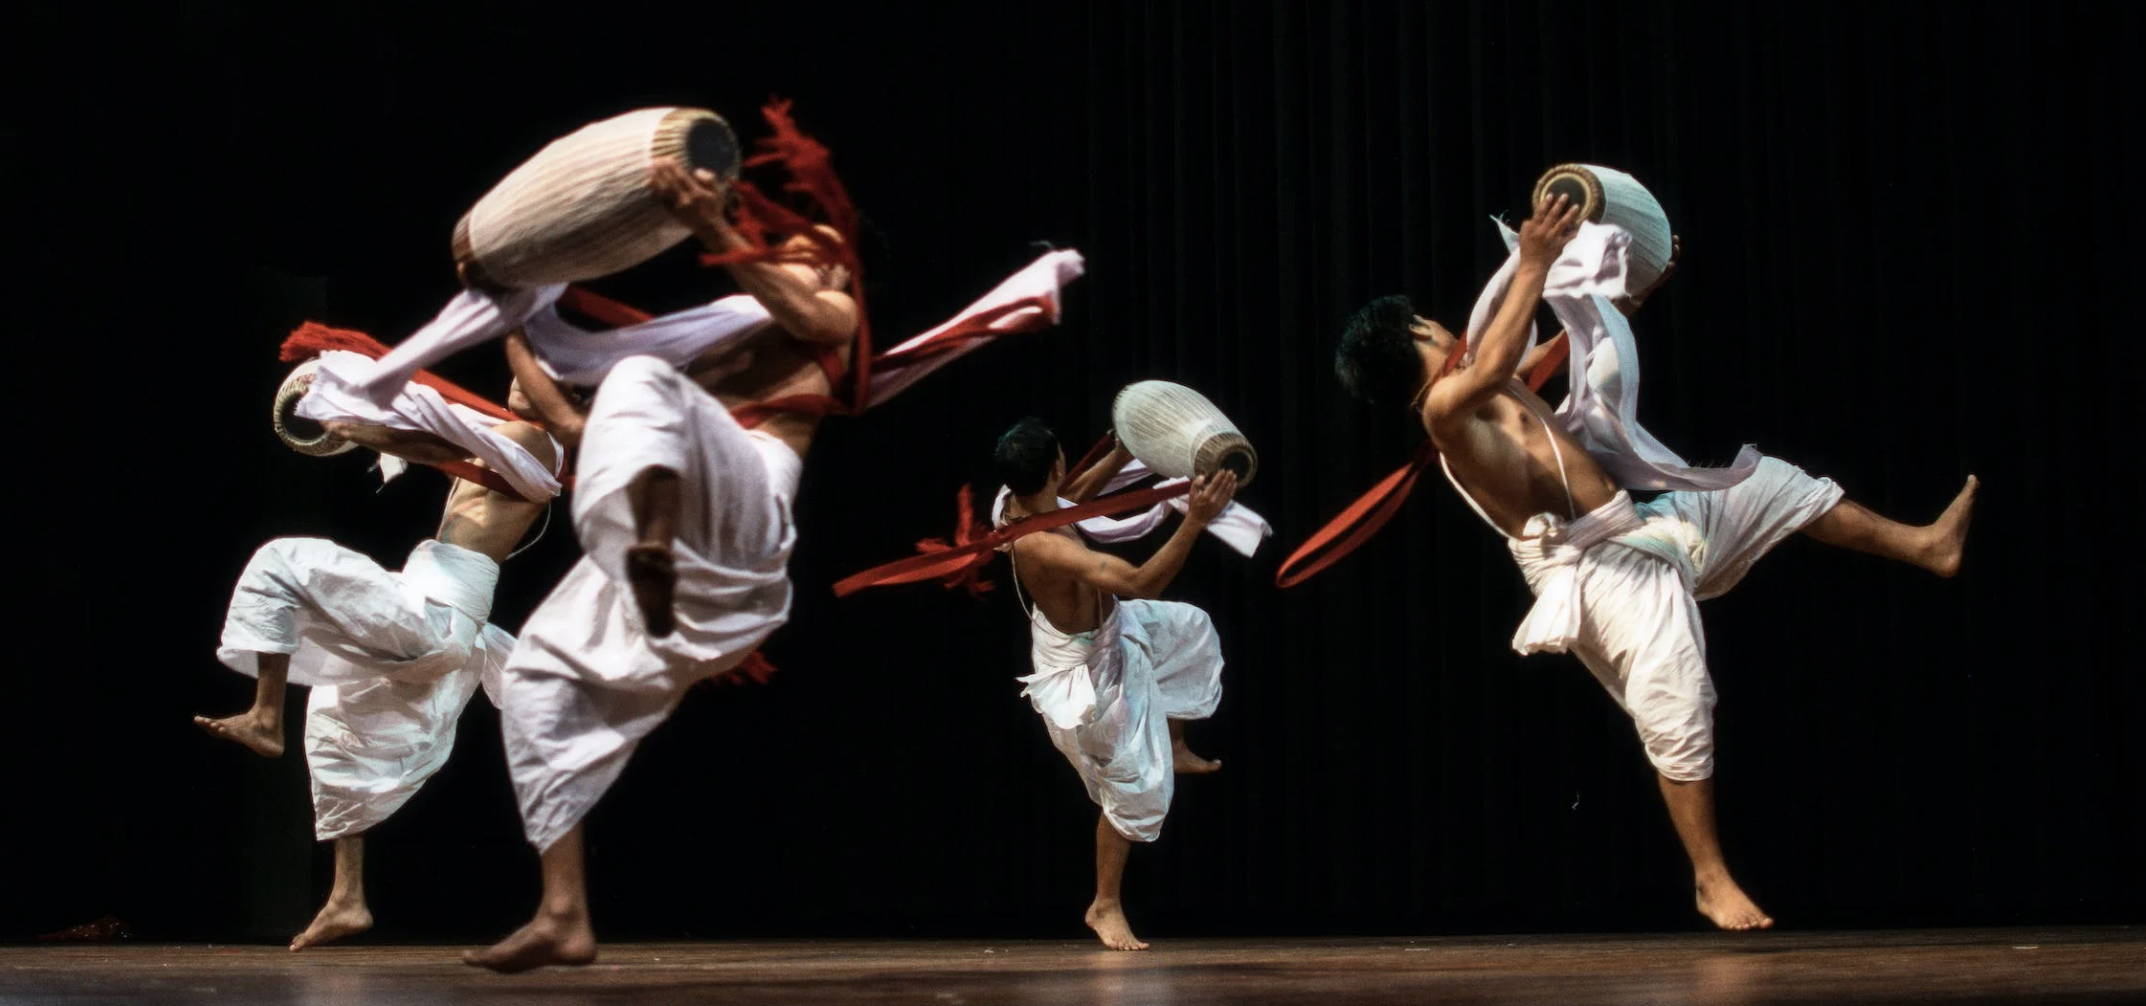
(261, 727)
(560, 932)
(1183, 761)
(1935, 546)
(650, 568)
(345, 913)
(1691, 809)
(1107, 914)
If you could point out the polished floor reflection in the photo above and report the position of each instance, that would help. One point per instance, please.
(1983, 966)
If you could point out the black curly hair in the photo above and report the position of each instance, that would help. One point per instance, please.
(1377, 360)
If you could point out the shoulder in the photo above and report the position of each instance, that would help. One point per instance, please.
(531, 437)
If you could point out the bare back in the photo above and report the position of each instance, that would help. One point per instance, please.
(1508, 460)
(488, 521)
(770, 366)
(1071, 605)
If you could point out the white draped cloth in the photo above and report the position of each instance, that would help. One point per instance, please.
(582, 357)
(586, 682)
(1619, 587)
(392, 658)
(332, 398)
(1107, 695)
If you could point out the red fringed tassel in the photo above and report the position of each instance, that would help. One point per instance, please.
(970, 575)
(811, 177)
(753, 670)
(313, 338)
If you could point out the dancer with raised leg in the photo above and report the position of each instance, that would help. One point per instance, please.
(1617, 583)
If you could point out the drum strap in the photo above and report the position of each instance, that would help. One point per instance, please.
(1363, 518)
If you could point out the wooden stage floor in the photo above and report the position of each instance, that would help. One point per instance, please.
(1982, 966)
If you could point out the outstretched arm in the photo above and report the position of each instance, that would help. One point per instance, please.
(413, 445)
(1459, 394)
(1060, 555)
(1089, 484)
(806, 312)
(553, 408)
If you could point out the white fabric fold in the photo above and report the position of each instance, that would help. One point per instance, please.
(1046, 277)
(586, 682)
(582, 357)
(472, 318)
(1601, 409)
(337, 395)
(392, 659)
(1106, 697)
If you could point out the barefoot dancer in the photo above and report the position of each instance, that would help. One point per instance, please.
(1617, 583)
(392, 659)
(685, 518)
(1117, 673)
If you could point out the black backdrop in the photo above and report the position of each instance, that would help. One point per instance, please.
(1908, 236)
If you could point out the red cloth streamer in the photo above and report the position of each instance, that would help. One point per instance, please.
(313, 338)
(1363, 518)
(950, 564)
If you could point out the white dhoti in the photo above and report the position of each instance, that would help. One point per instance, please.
(1107, 697)
(586, 682)
(392, 659)
(1620, 589)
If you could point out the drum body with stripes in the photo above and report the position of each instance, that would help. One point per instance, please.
(1178, 432)
(297, 432)
(582, 207)
(1609, 196)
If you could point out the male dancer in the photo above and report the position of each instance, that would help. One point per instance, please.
(1117, 673)
(684, 516)
(1617, 583)
(392, 658)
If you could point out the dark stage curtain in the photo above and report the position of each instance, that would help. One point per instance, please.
(1908, 242)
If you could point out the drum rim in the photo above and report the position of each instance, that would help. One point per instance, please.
(1596, 203)
(288, 396)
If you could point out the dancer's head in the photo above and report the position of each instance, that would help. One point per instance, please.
(1028, 459)
(1388, 352)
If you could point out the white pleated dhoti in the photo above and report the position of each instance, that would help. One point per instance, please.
(586, 682)
(392, 659)
(1620, 589)
(1107, 696)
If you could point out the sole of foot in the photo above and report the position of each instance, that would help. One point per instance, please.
(244, 730)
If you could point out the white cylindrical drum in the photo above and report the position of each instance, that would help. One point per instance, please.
(1178, 432)
(582, 208)
(297, 432)
(1609, 196)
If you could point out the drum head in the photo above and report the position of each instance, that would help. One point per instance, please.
(1575, 183)
(710, 144)
(297, 432)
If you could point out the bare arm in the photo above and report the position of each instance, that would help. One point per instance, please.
(553, 408)
(414, 445)
(1060, 555)
(828, 317)
(1459, 394)
(533, 439)
(1090, 483)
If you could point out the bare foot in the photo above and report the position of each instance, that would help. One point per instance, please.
(547, 939)
(654, 576)
(1726, 905)
(248, 728)
(1184, 762)
(1948, 534)
(1108, 921)
(334, 922)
